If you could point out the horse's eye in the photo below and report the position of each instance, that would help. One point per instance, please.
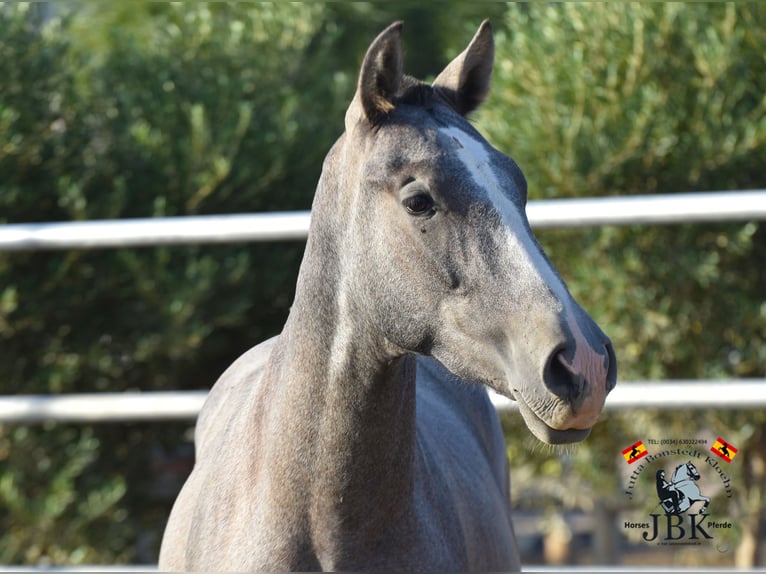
(420, 204)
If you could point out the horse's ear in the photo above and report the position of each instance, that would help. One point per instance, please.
(379, 77)
(464, 83)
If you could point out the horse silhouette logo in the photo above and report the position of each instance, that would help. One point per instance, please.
(725, 450)
(634, 452)
(678, 495)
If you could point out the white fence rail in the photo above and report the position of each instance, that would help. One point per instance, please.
(183, 405)
(631, 210)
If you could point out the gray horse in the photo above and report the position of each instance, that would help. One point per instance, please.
(353, 441)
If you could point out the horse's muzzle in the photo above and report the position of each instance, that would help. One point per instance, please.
(580, 377)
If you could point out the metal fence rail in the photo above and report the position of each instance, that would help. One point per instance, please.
(155, 231)
(185, 405)
(281, 226)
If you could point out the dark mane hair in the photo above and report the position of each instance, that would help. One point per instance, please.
(414, 92)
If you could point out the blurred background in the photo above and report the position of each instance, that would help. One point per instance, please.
(143, 109)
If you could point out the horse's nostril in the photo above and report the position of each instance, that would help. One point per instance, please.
(560, 379)
(568, 380)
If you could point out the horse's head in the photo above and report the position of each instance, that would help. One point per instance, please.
(691, 471)
(430, 223)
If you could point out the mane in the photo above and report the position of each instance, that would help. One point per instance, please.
(415, 93)
(412, 92)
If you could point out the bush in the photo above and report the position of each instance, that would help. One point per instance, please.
(182, 120)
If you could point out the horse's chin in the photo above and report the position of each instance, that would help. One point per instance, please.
(545, 433)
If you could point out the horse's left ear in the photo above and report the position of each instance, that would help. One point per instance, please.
(379, 78)
(464, 83)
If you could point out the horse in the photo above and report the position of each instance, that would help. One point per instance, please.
(362, 436)
(684, 483)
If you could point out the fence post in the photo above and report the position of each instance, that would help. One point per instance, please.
(604, 533)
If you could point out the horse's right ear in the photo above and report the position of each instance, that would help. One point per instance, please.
(379, 78)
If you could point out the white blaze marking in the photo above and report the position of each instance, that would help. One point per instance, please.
(473, 154)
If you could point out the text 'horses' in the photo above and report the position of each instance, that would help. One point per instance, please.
(353, 441)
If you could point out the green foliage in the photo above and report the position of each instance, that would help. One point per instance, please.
(59, 519)
(148, 109)
(198, 113)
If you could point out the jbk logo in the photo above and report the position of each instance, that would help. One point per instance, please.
(677, 496)
(680, 513)
(672, 527)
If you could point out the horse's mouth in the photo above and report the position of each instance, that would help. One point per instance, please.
(545, 433)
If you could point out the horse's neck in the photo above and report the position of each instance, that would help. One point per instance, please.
(346, 421)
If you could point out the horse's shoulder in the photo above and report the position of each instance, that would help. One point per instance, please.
(460, 444)
(458, 415)
(206, 497)
(233, 389)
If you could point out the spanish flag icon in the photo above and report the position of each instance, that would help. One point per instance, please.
(634, 452)
(725, 450)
